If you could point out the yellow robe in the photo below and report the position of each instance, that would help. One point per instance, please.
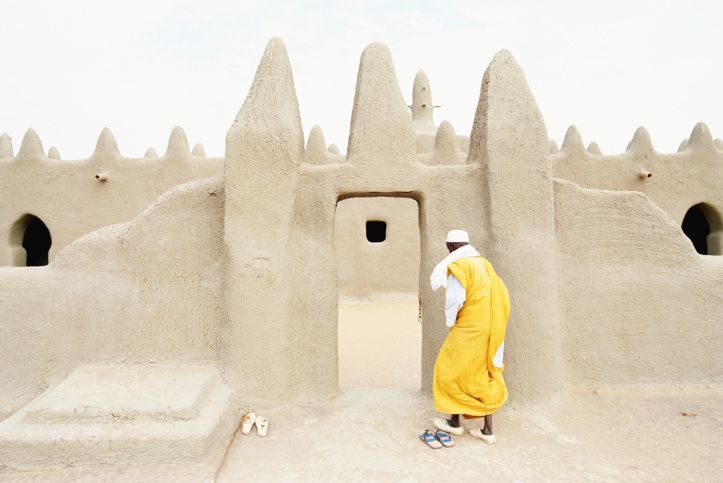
(465, 380)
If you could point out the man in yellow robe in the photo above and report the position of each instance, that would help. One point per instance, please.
(468, 372)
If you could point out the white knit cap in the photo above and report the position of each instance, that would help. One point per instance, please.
(457, 236)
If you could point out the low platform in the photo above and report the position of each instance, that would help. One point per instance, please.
(112, 414)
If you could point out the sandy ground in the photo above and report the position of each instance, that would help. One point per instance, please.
(371, 435)
(380, 344)
(369, 432)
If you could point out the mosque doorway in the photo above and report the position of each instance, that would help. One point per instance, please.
(30, 241)
(702, 224)
(377, 248)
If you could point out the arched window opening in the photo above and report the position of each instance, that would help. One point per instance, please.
(703, 226)
(31, 241)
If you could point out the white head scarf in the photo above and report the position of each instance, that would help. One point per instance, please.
(439, 274)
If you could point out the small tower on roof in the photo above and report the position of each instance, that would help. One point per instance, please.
(422, 107)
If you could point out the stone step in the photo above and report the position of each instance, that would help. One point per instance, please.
(109, 414)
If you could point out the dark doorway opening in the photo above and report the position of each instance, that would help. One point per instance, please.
(697, 228)
(376, 231)
(32, 241)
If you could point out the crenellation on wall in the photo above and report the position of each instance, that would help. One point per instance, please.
(674, 181)
(593, 148)
(177, 149)
(446, 148)
(198, 150)
(6, 146)
(106, 149)
(31, 148)
(572, 144)
(701, 139)
(641, 145)
(316, 151)
(53, 153)
(150, 153)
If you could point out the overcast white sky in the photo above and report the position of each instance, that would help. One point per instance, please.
(71, 67)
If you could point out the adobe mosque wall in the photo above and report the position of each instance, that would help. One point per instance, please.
(388, 265)
(639, 304)
(146, 291)
(75, 197)
(240, 270)
(675, 182)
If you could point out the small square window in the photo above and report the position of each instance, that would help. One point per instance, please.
(376, 231)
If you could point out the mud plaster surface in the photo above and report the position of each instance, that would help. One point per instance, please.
(371, 435)
(633, 433)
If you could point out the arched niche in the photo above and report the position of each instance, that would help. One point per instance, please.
(703, 226)
(30, 242)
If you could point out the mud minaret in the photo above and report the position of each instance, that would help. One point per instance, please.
(422, 107)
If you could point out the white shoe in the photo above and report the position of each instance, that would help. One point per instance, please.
(262, 426)
(248, 422)
(487, 438)
(442, 424)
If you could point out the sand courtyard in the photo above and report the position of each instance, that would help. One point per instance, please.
(369, 431)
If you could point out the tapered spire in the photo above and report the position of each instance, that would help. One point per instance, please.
(700, 138)
(53, 153)
(177, 144)
(381, 125)
(505, 88)
(593, 148)
(445, 144)
(31, 147)
(315, 152)
(510, 143)
(640, 143)
(198, 150)
(6, 146)
(106, 147)
(572, 143)
(271, 105)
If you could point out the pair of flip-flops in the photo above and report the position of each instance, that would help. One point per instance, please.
(437, 439)
(250, 420)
